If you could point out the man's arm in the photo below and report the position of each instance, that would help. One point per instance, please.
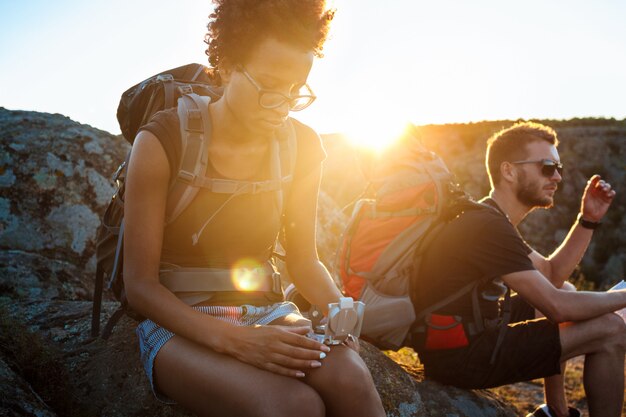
(595, 202)
(559, 305)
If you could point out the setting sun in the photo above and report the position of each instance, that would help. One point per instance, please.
(376, 131)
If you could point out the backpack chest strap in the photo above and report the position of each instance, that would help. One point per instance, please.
(226, 186)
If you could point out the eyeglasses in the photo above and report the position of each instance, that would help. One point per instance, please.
(548, 166)
(272, 99)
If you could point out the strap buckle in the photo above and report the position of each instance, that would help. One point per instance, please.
(276, 286)
(186, 176)
(194, 121)
(185, 89)
(118, 172)
(256, 187)
(165, 77)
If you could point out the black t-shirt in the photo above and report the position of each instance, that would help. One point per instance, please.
(247, 225)
(478, 244)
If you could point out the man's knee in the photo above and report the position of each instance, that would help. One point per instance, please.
(614, 331)
(618, 327)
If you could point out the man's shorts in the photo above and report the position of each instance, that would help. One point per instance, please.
(531, 349)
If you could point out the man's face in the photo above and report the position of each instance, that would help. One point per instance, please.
(533, 188)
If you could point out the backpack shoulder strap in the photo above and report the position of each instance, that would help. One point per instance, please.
(195, 132)
(283, 161)
(288, 146)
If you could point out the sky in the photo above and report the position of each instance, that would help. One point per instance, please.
(386, 63)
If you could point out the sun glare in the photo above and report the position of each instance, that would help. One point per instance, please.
(247, 275)
(376, 132)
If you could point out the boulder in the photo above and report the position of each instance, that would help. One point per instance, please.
(54, 184)
(18, 397)
(104, 377)
(53, 190)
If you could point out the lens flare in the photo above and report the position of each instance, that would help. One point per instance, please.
(247, 275)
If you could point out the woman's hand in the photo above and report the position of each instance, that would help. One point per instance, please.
(353, 343)
(284, 350)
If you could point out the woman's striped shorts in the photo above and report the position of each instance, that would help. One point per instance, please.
(152, 337)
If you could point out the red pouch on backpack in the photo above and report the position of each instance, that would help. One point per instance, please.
(444, 332)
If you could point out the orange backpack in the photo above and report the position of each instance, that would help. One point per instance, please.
(411, 191)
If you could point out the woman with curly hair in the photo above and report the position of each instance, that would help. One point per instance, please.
(234, 353)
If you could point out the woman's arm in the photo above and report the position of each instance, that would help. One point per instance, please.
(277, 349)
(305, 269)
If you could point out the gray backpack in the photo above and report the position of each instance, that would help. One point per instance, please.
(192, 97)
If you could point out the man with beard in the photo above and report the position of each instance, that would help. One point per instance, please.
(478, 339)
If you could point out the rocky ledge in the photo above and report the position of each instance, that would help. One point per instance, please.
(53, 190)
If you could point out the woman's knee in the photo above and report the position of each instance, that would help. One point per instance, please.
(300, 400)
(348, 372)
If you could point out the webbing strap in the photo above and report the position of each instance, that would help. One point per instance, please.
(195, 131)
(413, 211)
(117, 260)
(198, 72)
(117, 315)
(168, 89)
(216, 279)
(504, 325)
(276, 174)
(283, 157)
(478, 317)
(391, 275)
(97, 301)
(226, 186)
(452, 297)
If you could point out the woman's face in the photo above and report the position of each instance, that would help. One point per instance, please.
(274, 66)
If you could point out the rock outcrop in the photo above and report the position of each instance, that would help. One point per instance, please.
(53, 190)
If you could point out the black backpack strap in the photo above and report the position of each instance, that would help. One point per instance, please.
(97, 302)
(168, 89)
(117, 260)
(449, 299)
(478, 316)
(117, 315)
(504, 325)
(123, 309)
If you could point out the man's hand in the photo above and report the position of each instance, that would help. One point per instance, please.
(596, 199)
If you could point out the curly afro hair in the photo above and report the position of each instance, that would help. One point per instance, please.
(236, 26)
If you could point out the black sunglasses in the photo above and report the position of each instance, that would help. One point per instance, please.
(548, 166)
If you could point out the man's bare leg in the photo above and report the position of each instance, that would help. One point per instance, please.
(603, 342)
(554, 386)
(554, 392)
